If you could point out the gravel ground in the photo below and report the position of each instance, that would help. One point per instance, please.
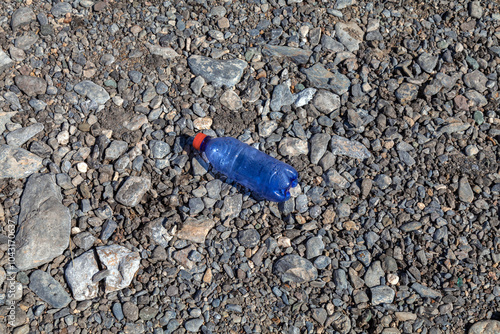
(112, 223)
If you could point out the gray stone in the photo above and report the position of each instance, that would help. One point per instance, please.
(293, 147)
(165, 52)
(320, 77)
(471, 150)
(406, 158)
(343, 210)
(330, 44)
(115, 149)
(427, 62)
(314, 247)
(196, 205)
(485, 327)
(61, 9)
(406, 93)
(281, 97)
(454, 127)
(135, 76)
(297, 55)
(340, 323)
(411, 226)
(122, 264)
(475, 80)
(320, 315)
(426, 292)
(37, 105)
(249, 238)
(132, 190)
(44, 223)
(303, 97)
(79, 273)
(197, 85)
(383, 181)
(118, 311)
(232, 207)
(326, 102)
(5, 62)
(130, 311)
(26, 41)
(231, 100)
(340, 279)
(266, 128)
(218, 72)
(159, 149)
(374, 274)
(84, 240)
(382, 294)
(334, 179)
(21, 17)
(475, 9)
(477, 98)
(5, 119)
(92, 91)
(193, 325)
(465, 192)
(13, 100)
(20, 136)
(351, 148)
(293, 268)
(108, 229)
(319, 144)
(31, 86)
(18, 163)
(48, 289)
(349, 34)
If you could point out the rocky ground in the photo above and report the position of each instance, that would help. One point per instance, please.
(112, 223)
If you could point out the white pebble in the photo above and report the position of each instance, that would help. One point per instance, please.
(393, 279)
(82, 167)
(63, 138)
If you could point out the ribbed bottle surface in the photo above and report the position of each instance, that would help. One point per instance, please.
(261, 173)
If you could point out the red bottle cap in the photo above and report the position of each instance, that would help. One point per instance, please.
(198, 140)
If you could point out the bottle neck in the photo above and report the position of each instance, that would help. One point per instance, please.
(203, 144)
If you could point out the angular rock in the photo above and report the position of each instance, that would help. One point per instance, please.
(333, 178)
(304, 96)
(465, 192)
(406, 93)
(320, 77)
(340, 322)
(48, 289)
(5, 119)
(266, 128)
(475, 80)
(44, 223)
(249, 238)
(158, 233)
(314, 247)
(5, 62)
(351, 148)
(326, 102)
(485, 327)
(382, 294)
(195, 230)
(92, 91)
(122, 264)
(31, 86)
(293, 268)
(132, 190)
(231, 100)
(218, 72)
(426, 292)
(454, 127)
(79, 273)
(18, 163)
(427, 62)
(297, 55)
(20, 136)
(293, 147)
(61, 9)
(373, 274)
(232, 207)
(319, 144)
(165, 52)
(21, 17)
(281, 97)
(349, 34)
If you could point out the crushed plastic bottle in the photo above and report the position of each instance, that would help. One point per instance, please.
(259, 172)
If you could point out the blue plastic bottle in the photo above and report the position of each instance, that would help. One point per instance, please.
(265, 175)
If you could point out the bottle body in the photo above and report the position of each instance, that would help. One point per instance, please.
(261, 173)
